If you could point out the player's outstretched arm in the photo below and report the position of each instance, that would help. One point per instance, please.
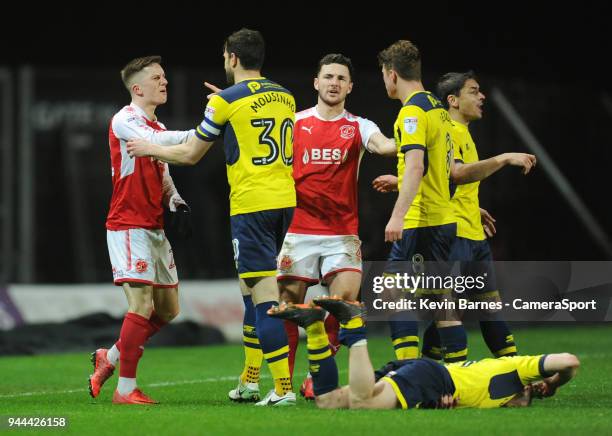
(380, 144)
(474, 172)
(188, 153)
(413, 174)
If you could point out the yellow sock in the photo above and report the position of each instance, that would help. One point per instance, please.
(406, 347)
(253, 357)
(278, 363)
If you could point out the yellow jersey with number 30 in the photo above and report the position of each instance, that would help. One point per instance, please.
(256, 118)
(424, 124)
(465, 197)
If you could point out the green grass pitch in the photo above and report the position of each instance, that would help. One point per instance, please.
(192, 384)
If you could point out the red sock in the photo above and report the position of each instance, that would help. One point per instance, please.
(332, 327)
(293, 338)
(134, 333)
(155, 324)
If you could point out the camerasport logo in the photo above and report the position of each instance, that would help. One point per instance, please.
(141, 266)
(285, 263)
(347, 131)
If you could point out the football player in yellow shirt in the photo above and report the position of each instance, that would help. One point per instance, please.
(423, 225)
(417, 383)
(255, 116)
(462, 97)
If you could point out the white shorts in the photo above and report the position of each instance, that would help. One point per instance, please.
(142, 256)
(311, 258)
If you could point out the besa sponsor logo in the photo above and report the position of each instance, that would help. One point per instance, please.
(323, 156)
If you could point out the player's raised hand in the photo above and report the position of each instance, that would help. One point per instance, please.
(215, 90)
(394, 229)
(524, 160)
(385, 183)
(488, 223)
(137, 147)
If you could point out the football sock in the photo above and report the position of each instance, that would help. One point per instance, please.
(332, 327)
(253, 356)
(274, 345)
(431, 343)
(126, 385)
(321, 361)
(454, 343)
(404, 336)
(134, 333)
(352, 332)
(498, 338)
(293, 338)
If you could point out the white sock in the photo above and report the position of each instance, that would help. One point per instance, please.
(126, 385)
(113, 355)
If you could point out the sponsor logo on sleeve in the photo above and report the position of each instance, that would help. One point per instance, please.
(410, 124)
(209, 112)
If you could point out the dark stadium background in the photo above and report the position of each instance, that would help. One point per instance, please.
(549, 65)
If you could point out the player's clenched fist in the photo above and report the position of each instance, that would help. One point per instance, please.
(139, 148)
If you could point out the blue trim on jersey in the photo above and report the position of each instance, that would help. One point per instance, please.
(204, 135)
(505, 385)
(319, 350)
(241, 90)
(409, 147)
(231, 148)
(420, 99)
(543, 372)
(212, 124)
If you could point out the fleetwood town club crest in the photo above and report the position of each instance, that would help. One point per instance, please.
(347, 131)
(285, 263)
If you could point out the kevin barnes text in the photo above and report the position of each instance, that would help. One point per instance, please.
(463, 304)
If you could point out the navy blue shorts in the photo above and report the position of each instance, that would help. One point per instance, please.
(475, 260)
(423, 249)
(418, 383)
(257, 238)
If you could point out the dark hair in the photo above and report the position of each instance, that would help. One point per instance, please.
(336, 58)
(135, 66)
(248, 45)
(404, 58)
(451, 84)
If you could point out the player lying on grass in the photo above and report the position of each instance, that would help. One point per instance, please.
(417, 383)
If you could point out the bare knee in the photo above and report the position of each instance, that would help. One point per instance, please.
(168, 315)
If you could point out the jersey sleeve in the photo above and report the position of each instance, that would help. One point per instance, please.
(366, 128)
(215, 118)
(129, 126)
(412, 129)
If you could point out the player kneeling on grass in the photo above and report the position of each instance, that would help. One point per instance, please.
(417, 383)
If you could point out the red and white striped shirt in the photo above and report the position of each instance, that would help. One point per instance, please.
(137, 182)
(325, 167)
